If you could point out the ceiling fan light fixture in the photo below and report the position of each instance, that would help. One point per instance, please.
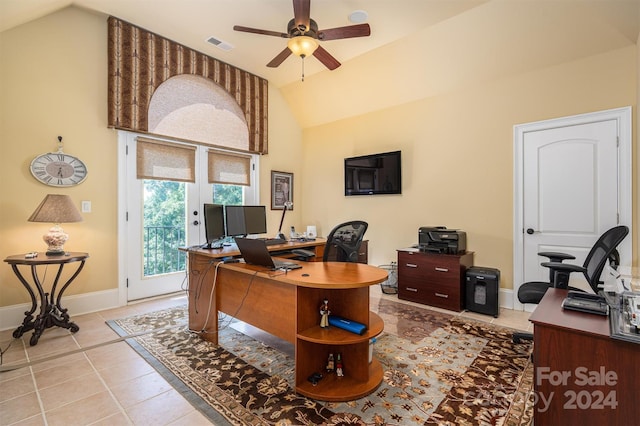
(302, 46)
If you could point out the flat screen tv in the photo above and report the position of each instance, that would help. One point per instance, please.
(373, 174)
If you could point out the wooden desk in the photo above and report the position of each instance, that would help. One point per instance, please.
(287, 305)
(581, 376)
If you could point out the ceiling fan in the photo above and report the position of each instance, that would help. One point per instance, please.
(303, 35)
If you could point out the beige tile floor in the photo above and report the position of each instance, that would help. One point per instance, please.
(93, 378)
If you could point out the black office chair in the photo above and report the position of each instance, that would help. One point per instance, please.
(343, 243)
(603, 251)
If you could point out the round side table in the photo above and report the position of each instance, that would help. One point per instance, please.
(51, 311)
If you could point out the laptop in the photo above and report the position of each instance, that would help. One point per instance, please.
(255, 252)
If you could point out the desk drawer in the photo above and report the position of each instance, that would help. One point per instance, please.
(442, 296)
(429, 267)
(439, 274)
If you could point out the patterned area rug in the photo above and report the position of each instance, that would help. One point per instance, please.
(439, 369)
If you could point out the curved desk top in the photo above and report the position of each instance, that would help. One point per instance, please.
(334, 275)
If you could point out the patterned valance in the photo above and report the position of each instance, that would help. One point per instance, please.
(140, 61)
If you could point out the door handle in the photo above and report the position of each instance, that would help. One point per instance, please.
(530, 231)
(195, 222)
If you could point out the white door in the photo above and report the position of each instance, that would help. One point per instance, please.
(572, 191)
(159, 220)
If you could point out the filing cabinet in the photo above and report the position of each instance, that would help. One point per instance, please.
(433, 279)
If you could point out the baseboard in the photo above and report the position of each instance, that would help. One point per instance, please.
(505, 298)
(77, 304)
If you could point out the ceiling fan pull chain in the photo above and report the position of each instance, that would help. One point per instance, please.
(302, 67)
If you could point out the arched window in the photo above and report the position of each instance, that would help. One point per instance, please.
(161, 87)
(194, 108)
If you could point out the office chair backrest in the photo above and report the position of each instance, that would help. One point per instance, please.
(346, 238)
(603, 251)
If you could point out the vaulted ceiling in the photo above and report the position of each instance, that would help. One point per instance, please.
(437, 45)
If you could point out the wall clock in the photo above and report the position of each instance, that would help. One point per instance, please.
(58, 168)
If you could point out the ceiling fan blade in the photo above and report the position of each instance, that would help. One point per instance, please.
(302, 14)
(324, 57)
(257, 31)
(359, 30)
(275, 62)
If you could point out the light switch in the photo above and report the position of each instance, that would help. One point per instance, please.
(86, 207)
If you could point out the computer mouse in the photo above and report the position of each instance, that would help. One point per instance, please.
(305, 275)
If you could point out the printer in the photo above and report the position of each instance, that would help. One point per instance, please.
(439, 239)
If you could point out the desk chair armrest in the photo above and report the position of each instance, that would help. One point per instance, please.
(559, 266)
(556, 256)
(561, 272)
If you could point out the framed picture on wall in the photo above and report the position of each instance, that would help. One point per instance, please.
(281, 189)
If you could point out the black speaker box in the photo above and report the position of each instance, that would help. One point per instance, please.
(481, 293)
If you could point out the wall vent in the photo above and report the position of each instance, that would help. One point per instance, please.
(220, 44)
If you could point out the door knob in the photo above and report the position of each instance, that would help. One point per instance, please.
(195, 222)
(530, 231)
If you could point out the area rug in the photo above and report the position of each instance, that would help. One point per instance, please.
(439, 369)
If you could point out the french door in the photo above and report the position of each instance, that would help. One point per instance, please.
(162, 215)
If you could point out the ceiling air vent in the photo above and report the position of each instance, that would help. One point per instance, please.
(220, 44)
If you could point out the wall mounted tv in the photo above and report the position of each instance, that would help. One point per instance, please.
(373, 174)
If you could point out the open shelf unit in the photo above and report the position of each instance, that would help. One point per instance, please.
(314, 344)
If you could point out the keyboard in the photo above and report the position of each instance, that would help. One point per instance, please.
(586, 302)
(274, 241)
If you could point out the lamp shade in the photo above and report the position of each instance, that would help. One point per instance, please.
(302, 46)
(56, 208)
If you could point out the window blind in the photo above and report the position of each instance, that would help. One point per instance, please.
(165, 161)
(231, 169)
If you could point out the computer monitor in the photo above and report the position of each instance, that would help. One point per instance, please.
(234, 217)
(255, 219)
(214, 225)
(245, 220)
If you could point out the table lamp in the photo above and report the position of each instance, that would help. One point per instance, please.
(56, 209)
(287, 205)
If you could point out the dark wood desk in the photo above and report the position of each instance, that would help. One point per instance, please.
(582, 376)
(51, 311)
(287, 305)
